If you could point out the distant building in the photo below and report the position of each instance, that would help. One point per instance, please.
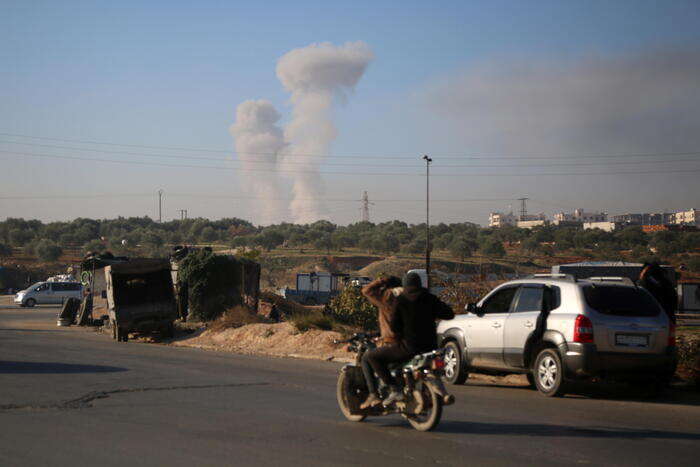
(528, 224)
(689, 217)
(579, 216)
(607, 226)
(499, 219)
(657, 218)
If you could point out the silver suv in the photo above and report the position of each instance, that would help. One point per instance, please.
(556, 329)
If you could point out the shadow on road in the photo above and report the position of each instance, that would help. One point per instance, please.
(527, 429)
(7, 367)
(618, 392)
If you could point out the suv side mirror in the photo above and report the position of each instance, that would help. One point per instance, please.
(471, 308)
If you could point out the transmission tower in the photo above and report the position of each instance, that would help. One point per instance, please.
(365, 207)
(523, 207)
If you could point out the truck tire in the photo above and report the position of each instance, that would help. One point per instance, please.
(549, 373)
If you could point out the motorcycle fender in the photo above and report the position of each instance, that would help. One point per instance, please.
(438, 387)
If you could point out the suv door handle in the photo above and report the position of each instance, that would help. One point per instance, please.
(528, 324)
(496, 325)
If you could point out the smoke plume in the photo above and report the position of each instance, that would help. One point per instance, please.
(315, 76)
(259, 140)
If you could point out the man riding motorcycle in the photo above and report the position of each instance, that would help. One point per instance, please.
(382, 293)
(413, 322)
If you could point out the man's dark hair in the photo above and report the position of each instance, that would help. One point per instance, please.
(393, 281)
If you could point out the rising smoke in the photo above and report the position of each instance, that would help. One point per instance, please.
(317, 76)
(259, 140)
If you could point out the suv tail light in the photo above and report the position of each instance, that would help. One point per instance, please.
(672, 335)
(583, 330)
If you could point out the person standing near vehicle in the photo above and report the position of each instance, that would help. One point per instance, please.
(382, 293)
(653, 279)
(414, 323)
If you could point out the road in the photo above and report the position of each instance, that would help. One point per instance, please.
(71, 396)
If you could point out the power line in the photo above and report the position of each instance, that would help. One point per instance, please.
(664, 160)
(359, 156)
(403, 174)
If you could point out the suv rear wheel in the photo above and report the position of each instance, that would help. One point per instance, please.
(549, 373)
(455, 369)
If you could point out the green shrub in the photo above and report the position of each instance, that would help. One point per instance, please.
(351, 308)
(214, 283)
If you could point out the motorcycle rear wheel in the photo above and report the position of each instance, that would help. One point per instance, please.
(344, 392)
(432, 411)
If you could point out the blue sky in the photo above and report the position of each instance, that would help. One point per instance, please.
(172, 73)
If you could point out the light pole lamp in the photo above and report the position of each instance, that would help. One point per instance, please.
(427, 160)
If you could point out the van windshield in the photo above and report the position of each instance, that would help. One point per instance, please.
(621, 301)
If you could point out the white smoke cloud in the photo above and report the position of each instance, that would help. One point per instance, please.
(315, 76)
(259, 140)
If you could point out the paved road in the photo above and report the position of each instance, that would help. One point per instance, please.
(70, 396)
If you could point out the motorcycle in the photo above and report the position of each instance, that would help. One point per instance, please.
(420, 380)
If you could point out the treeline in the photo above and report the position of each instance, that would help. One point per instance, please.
(142, 235)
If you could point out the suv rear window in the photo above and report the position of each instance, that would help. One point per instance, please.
(621, 301)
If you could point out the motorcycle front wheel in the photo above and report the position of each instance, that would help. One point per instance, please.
(348, 396)
(431, 413)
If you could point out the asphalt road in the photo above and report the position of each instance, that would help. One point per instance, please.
(71, 396)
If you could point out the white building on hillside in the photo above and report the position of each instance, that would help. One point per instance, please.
(689, 217)
(499, 219)
(579, 216)
(607, 226)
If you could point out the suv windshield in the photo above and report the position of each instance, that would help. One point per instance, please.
(620, 301)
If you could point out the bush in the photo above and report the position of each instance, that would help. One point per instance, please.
(312, 320)
(213, 281)
(5, 250)
(47, 250)
(235, 318)
(694, 264)
(351, 308)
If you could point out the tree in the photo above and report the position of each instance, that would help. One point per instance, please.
(47, 250)
(94, 246)
(694, 264)
(324, 242)
(461, 247)
(208, 235)
(5, 251)
(493, 247)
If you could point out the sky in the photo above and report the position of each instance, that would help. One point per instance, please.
(592, 105)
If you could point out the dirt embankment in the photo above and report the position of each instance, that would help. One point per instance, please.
(279, 339)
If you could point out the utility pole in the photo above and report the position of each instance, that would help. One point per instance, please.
(365, 207)
(427, 160)
(523, 208)
(160, 205)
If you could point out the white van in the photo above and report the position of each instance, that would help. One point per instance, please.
(49, 293)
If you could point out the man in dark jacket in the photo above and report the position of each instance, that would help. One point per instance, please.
(414, 324)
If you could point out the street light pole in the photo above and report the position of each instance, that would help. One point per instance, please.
(160, 205)
(427, 160)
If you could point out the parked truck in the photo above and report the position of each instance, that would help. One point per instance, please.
(140, 298)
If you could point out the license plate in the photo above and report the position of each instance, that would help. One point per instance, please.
(632, 340)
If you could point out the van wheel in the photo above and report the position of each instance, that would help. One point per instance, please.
(455, 369)
(30, 303)
(549, 373)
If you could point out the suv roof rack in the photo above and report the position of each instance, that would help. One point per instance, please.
(624, 280)
(557, 275)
